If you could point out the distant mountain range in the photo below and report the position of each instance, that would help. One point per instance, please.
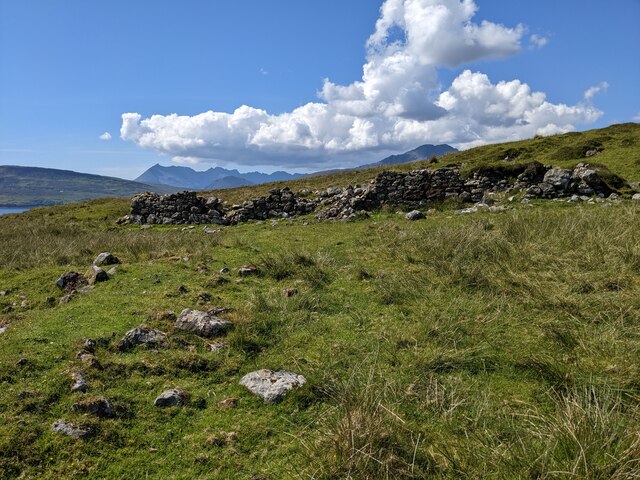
(212, 179)
(33, 186)
(219, 178)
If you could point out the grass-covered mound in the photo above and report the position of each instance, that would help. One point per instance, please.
(498, 345)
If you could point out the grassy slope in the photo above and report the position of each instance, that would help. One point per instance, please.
(27, 186)
(483, 346)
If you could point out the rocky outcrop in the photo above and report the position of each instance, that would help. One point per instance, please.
(272, 386)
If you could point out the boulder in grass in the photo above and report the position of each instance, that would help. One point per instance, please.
(69, 281)
(142, 336)
(172, 398)
(202, 323)
(415, 215)
(73, 430)
(95, 406)
(247, 270)
(80, 383)
(272, 386)
(96, 275)
(105, 258)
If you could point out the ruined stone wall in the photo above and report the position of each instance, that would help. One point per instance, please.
(176, 208)
(280, 203)
(416, 189)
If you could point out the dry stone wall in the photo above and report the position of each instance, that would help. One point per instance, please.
(416, 189)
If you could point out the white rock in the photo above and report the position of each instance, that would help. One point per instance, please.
(72, 430)
(272, 386)
(171, 398)
(202, 323)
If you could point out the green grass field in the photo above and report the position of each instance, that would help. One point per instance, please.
(492, 345)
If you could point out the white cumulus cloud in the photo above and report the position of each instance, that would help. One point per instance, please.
(105, 136)
(593, 91)
(538, 41)
(398, 103)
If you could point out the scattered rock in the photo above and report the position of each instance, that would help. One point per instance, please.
(67, 298)
(89, 359)
(85, 289)
(216, 346)
(247, 270)
(142, 336)
(272, 386)
(228, 403)
(289, 292)
(2, 330)
(171, 398)
(112, 271)
(105, 258)
(73, 430)
(209, 230)
(223, 271)
(95, 406)
(636, 196)
(4, 293)
(80, 383)
(90, 345)
(202, 323)
(71, 281)
(415, 215)
(96, 275)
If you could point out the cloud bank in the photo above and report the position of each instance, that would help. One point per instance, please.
(397, 104)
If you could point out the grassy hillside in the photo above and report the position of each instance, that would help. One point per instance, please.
(28, 186)
(490, 345)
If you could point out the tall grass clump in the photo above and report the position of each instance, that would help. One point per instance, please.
(361, 436)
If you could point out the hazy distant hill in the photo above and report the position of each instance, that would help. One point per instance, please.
(32, 186)
(229, 182)
(420, 153)
(214, 178)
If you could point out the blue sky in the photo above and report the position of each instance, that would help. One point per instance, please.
(70, 69)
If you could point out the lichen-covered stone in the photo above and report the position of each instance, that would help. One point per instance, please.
(272, 386)
(202, 323)
(172, 398)
(142, 336)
